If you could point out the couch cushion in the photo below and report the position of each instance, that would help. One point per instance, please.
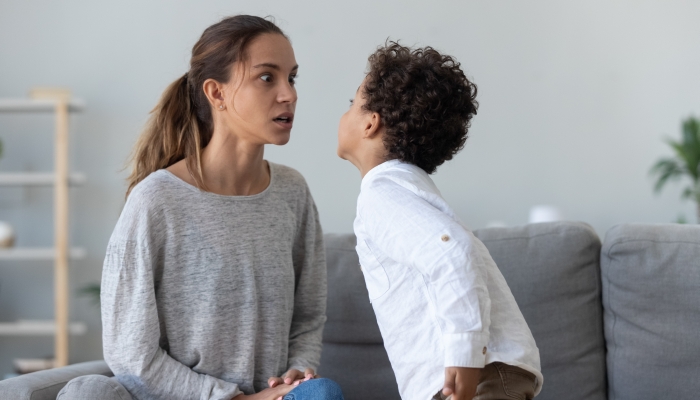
(91, 387)
(351, 318)
(651, 295)
(45, 385)
(553, 271)
(353, 350)
(363, 371)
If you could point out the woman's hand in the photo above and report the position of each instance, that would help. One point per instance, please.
(275, 393)
(292, 376)
(461, 382)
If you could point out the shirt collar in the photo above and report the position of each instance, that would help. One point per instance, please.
(379, 168)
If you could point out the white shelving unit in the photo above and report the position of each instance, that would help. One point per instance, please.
(39, 104)
(38, 328)
(60, 103)
(39, 253)
(37, 179)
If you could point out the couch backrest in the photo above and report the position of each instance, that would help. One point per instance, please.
(553, 271)
(353, 351)
(651, 295)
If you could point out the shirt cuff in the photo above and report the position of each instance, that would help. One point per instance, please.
(301, 365)
(465, 349)
(301, 368)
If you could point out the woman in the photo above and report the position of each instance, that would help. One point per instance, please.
(214, 282)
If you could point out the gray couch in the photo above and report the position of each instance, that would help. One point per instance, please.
(618, 320)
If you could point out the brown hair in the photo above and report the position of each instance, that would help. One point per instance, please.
(425, 101)
(181, 124)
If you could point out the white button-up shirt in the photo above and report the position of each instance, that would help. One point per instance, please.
(439, 298)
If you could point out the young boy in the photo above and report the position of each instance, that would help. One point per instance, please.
(450, 324)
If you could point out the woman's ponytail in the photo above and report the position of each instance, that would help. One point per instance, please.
(181, 125)
(171, 134)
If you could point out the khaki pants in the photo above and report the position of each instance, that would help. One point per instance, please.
(502, 382)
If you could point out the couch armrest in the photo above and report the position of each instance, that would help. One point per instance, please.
(45, 385)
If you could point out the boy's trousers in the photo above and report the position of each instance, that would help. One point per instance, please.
(502, 382)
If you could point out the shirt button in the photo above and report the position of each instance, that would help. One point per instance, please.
(444, 238)
(483, 351)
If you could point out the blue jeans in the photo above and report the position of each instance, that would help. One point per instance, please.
(316, 389)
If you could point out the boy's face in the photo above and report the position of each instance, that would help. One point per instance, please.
(350, 129)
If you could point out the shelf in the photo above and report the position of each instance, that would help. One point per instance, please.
(38, 253)
(37, 179)
(57, 102)
(38, 328)
(39, 105)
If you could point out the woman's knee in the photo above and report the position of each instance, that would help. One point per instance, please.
(316, 389)
(93, 387)
(329, 388)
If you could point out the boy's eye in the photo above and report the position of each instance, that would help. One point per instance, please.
(352, 101)
(266, 77)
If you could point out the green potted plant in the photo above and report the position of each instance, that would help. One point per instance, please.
(91, 291)
(685, 162)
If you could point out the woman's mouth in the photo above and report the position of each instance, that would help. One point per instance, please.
(284, 120)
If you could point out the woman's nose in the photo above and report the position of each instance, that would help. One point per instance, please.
(287, 94)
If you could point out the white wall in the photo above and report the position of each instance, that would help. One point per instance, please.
(575, 99)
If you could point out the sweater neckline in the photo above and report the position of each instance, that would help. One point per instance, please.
(188, 186)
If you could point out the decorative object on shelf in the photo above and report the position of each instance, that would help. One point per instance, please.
(7, 235)
(685, 162)
(544, 214)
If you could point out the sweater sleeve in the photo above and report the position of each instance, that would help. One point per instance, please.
(309, 315)
(411, 231)
(130, 323)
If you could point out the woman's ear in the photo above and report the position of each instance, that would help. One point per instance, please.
(214, 92)
(373, 125)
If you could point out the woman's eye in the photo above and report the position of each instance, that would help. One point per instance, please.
(352, 101)
(293, 79)
(266, 77)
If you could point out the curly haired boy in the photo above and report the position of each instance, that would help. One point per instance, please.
(450, 324)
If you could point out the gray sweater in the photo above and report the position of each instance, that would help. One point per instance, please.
(206, 296)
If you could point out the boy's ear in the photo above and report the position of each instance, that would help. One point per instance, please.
(373, 125)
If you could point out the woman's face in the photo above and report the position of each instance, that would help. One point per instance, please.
(260, 98)
(350, 127)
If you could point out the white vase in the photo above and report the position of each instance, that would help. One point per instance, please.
(7, 235)
(544, 214)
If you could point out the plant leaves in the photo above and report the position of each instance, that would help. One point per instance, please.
(92, 290)
(666, 169)
(688, 193)
(691, 146)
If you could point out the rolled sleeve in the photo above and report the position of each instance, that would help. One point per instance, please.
(465, 349)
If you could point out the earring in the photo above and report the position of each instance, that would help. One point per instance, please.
(221, 107)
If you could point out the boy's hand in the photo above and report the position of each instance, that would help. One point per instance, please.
(292, 376)
(461, 382)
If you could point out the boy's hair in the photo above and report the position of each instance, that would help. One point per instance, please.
(425, 101)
